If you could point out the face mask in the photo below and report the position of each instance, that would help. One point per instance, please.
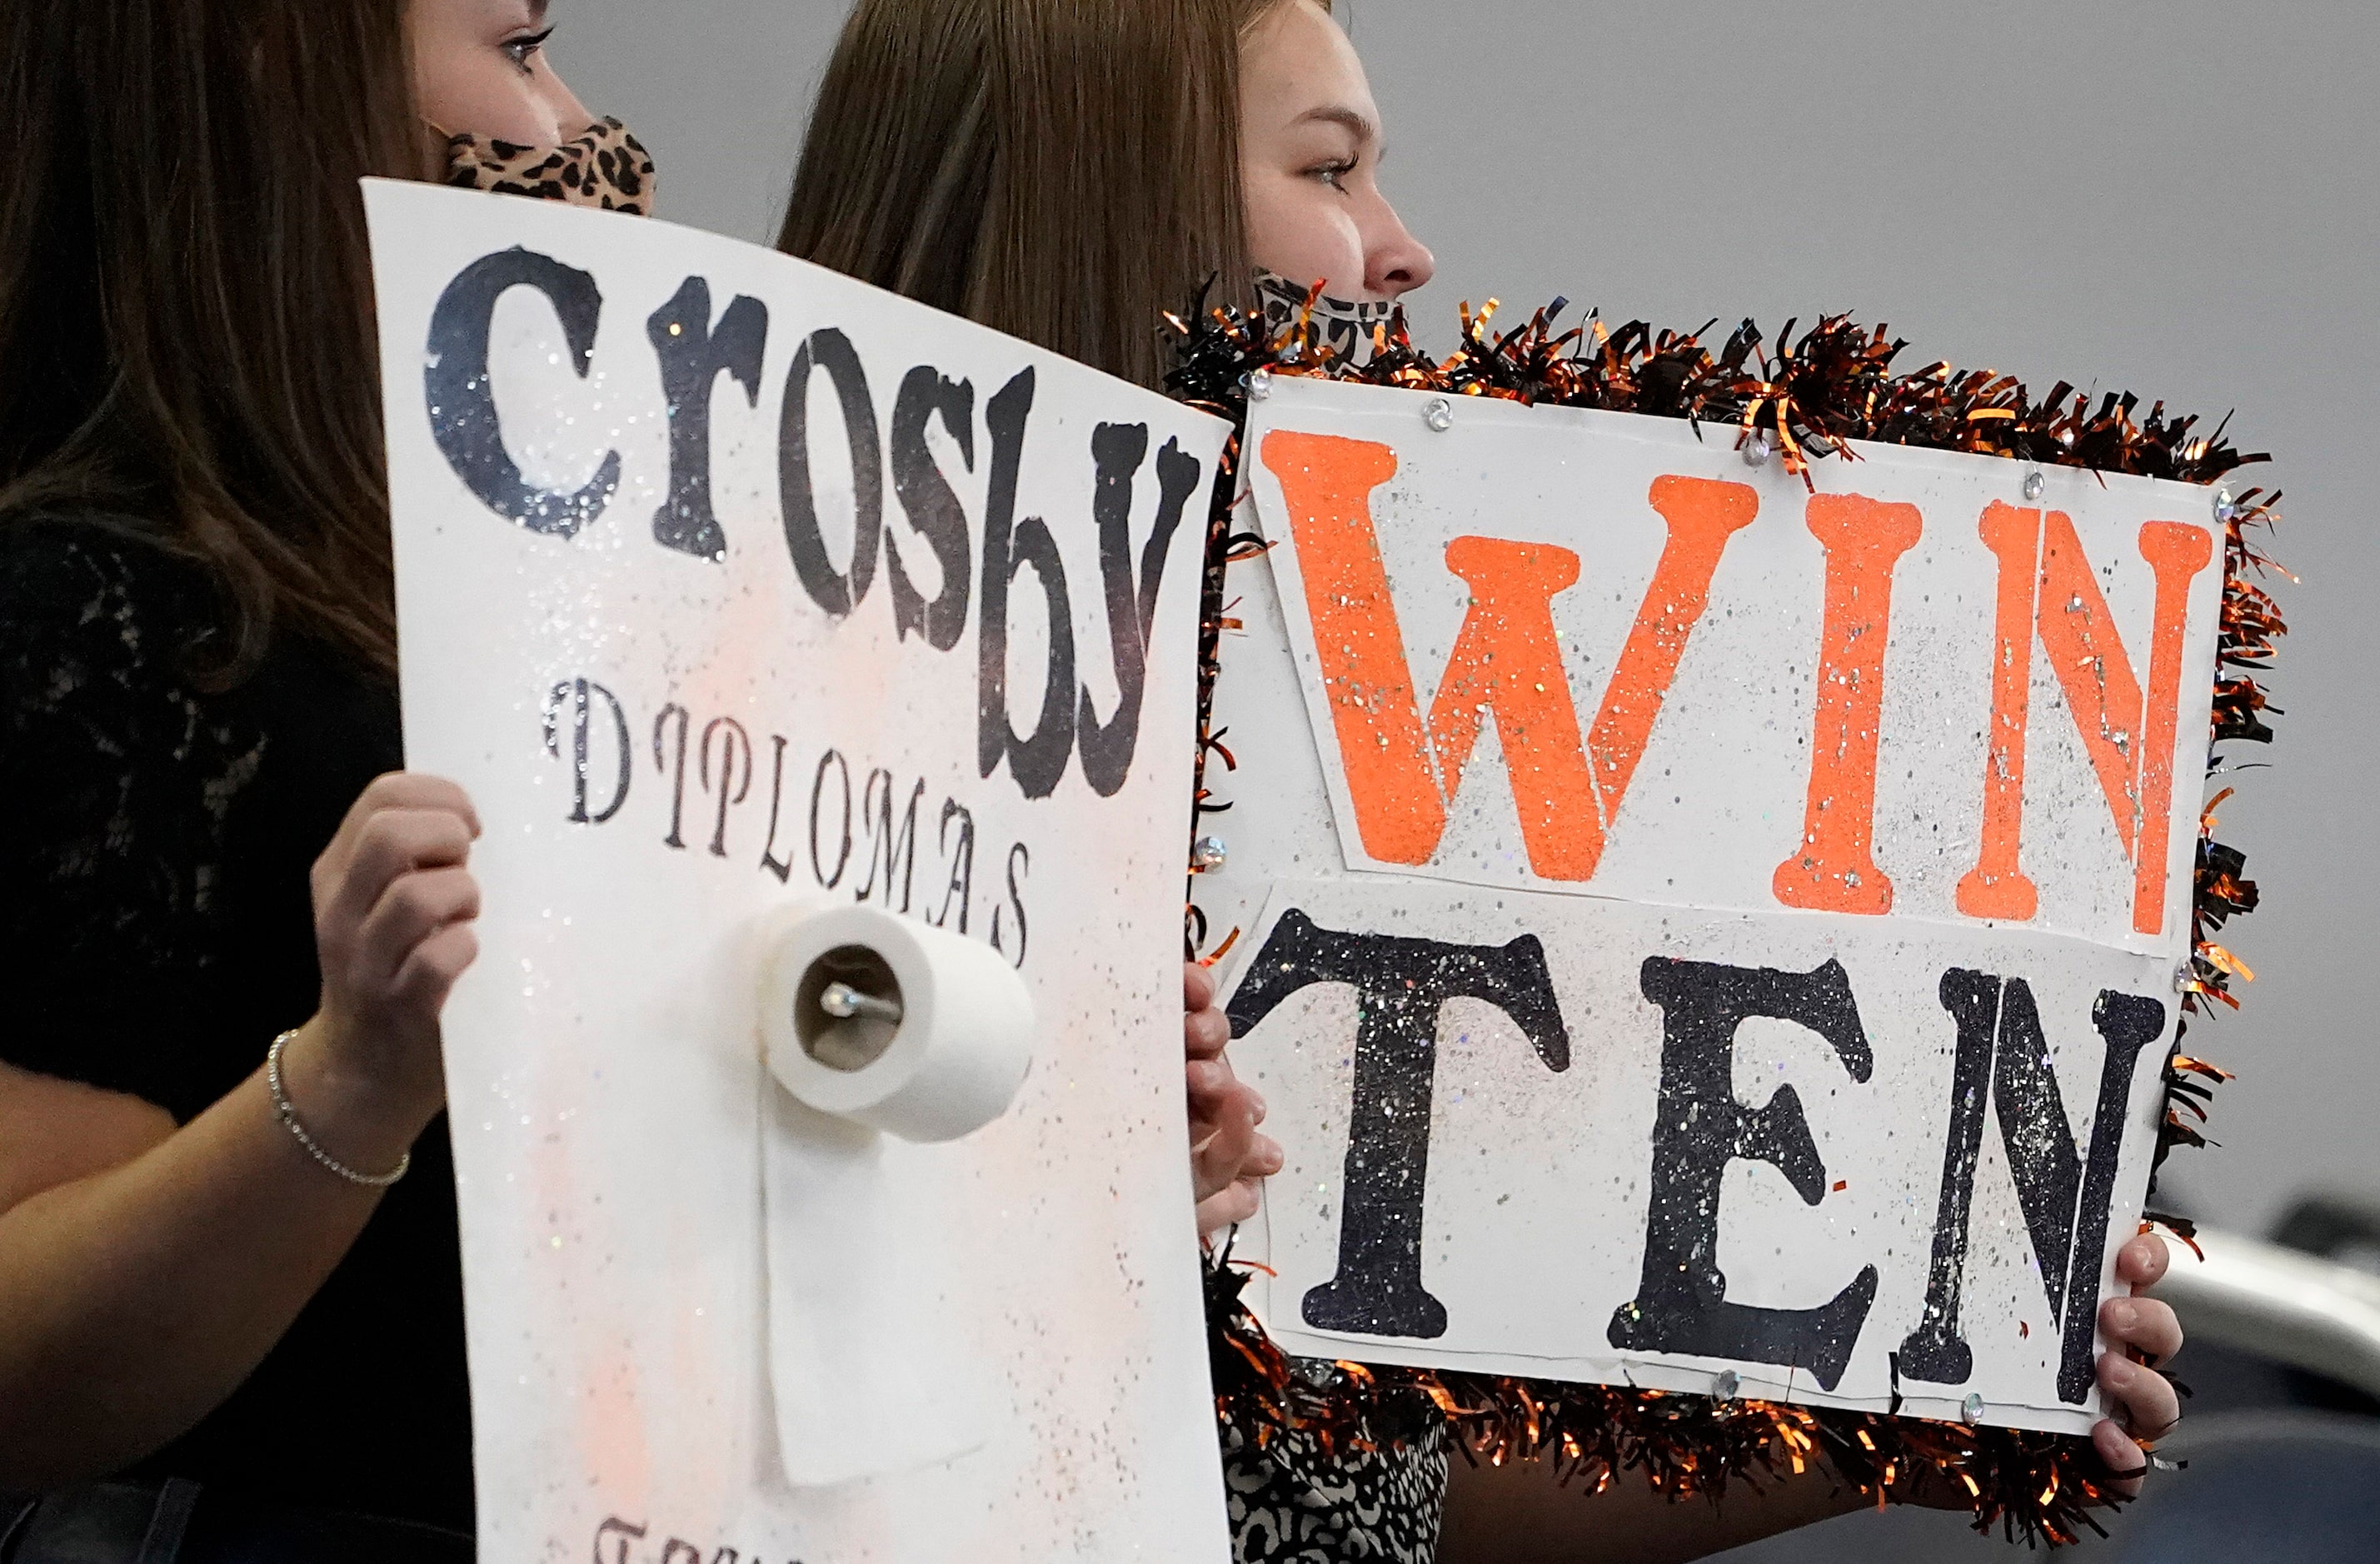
(1344, 327)
(606, 168)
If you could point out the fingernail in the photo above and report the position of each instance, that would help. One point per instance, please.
(1259, 1103)
(2119, 1373)
(2122, 1315)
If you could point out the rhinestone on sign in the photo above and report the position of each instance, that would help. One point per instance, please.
(1755, 450)
(1970, 1410)
(1724, 1384)
(1209, 852)
(2034, 484)
(1438, 414)
(1259, 384)
(2226, 505)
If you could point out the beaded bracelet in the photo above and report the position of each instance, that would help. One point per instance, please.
(288, 1117)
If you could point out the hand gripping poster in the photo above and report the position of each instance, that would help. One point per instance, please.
(1701, 927)
(821, 667)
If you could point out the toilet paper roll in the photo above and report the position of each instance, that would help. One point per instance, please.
(949, 1065)
(859, 1279)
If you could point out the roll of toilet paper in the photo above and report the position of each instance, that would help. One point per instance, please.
(882, 1021)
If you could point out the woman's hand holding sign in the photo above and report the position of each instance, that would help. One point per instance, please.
(394, 905)
(1228, 1157)
(2146, 1334)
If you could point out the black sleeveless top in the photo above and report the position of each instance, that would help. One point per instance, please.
(157, 932)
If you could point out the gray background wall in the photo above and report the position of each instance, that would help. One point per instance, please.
(2179, 198)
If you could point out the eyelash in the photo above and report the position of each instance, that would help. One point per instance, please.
(524, 49)
(1331, 174)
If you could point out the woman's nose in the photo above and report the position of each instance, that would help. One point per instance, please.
(1394, 262)
(571, 119)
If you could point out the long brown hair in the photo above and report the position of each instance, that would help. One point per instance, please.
(186, 305)
(1062, 170)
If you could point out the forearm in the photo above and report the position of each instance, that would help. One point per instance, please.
(1519, 1514)
(133, 1301)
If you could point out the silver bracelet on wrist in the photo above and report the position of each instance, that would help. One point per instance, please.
(288, 1117)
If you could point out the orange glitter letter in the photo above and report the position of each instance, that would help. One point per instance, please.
(2129, 734)
(1835, 870)
(1505, 659)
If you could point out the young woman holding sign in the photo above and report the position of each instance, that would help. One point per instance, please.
(995, 159)
(212, 1281)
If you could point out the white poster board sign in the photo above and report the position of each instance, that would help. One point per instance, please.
(729, 587)
(1696, 932)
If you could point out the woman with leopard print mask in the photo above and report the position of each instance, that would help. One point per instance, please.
(228, 1329)
(1008, 161)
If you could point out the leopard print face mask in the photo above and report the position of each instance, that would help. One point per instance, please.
(606, 168)
(1344, 326)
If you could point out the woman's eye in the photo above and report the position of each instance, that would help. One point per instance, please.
(523, 50)
(1333, 173)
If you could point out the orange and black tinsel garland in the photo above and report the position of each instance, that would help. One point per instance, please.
(1808, 399)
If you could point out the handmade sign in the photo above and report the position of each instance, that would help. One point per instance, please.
(1701, 926)
(822, 668)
